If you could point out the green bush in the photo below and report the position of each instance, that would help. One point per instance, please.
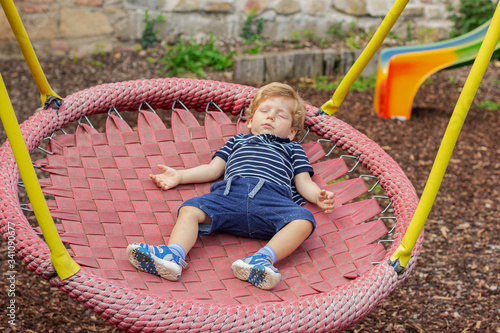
(189, 56)
(336, 31)
(257, 46)
(252, 28)
(149, 34)
(472, 14)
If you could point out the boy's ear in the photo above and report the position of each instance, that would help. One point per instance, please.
(249, 123)
(293, 132)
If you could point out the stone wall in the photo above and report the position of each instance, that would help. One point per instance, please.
(81, 27)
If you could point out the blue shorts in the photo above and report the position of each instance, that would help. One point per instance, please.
(250, 208)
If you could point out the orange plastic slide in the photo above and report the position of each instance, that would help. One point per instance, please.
(401, 70)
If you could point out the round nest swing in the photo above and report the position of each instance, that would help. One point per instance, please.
(105, 200)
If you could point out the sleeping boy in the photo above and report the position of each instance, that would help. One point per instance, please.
(266, 178)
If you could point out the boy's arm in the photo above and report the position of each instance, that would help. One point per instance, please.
(171, 177)
(203, 173)
(308, 189)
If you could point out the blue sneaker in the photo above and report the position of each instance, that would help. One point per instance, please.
(158, 260)
(258, 270)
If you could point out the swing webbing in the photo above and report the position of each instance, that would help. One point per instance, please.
(105, 200)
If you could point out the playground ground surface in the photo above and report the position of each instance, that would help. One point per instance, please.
(455, 285)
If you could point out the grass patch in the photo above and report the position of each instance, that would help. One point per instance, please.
(488, 105)
(325, 83)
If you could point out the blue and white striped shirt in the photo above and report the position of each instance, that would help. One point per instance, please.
(267, 157)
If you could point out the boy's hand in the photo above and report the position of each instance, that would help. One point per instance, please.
(167, 180)
(326, 201)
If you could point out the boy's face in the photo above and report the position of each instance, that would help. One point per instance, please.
(273, 116)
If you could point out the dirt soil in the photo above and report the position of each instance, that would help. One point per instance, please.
(455, 285)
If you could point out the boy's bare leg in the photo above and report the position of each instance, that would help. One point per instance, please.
(289, 238)
(185, 231)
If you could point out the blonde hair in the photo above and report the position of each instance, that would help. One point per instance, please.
(277, 89)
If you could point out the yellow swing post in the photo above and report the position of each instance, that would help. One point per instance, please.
(331, 106)
(62, 261)
(27, 49)
(402, 255)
